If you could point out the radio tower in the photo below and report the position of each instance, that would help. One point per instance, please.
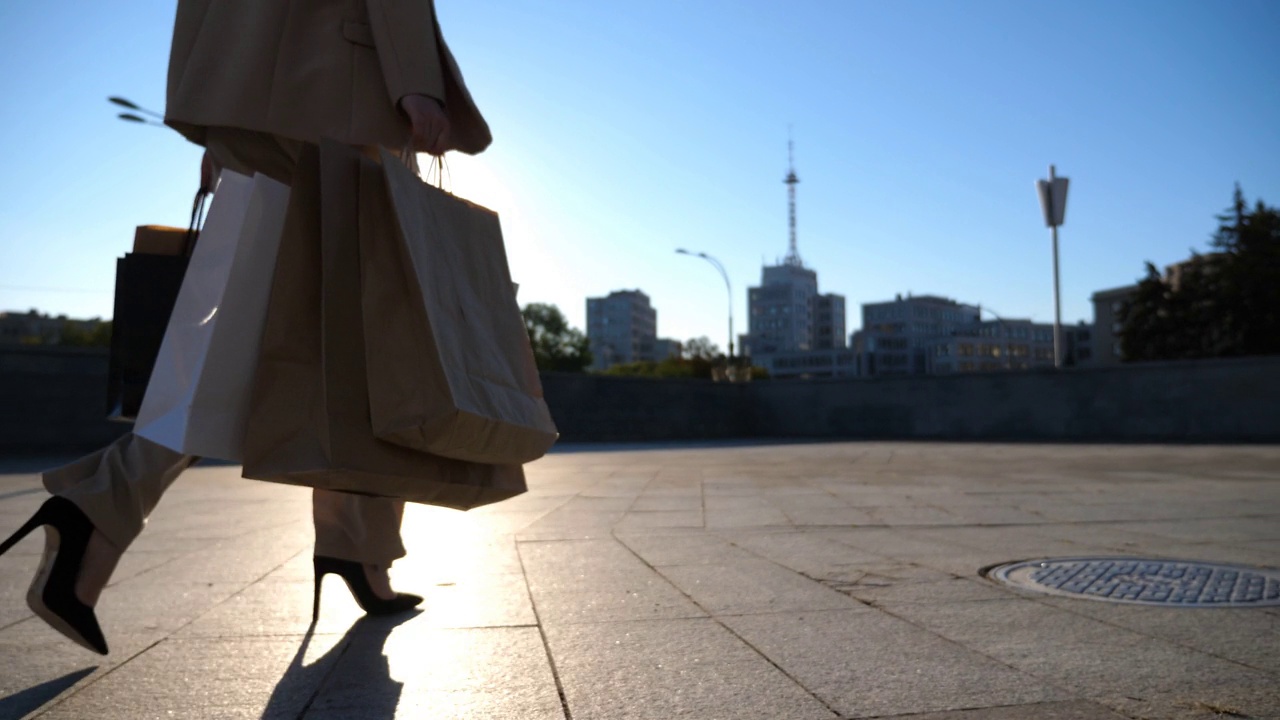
(793, 254)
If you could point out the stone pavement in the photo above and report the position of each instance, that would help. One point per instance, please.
(792, 581)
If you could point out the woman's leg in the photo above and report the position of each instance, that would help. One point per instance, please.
(362, 529)
(354, 527)
(116, 487)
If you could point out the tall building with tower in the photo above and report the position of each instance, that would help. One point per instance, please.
(787, 317)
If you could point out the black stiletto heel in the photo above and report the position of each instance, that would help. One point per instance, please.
(53, 591)
(358, 583)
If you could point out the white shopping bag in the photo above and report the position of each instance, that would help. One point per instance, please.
(197, 401)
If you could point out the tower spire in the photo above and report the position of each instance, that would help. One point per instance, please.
(793, 254)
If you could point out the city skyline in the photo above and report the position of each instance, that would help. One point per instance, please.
(623, 133)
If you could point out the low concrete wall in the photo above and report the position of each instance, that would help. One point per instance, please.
(51, 401)
(1234, 400)
(603, 408)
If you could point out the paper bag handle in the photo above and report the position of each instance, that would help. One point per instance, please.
(410, 160)
(197, 219)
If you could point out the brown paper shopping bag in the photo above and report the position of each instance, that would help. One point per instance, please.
(309, 423)
(451, 370)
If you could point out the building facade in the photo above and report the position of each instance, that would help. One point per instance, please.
(898, 336)
(780, 311)
(787, 314)
(991, 346)
(828, 322)
(622, 327)
(841, 362)
(1107, 305)
(664, 348)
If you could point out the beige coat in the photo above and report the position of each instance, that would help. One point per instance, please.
(307, 69)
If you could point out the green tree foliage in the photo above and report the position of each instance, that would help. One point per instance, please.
(701, 347)
(556, 346)
(669, 368)
(1249, 291)
(1226, 303)
(72, 334)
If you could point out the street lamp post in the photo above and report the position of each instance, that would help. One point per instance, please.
(1053, 203)
(727, 287)
(1004, 335)
(134, 117)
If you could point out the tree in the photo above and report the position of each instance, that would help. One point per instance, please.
(1249, 288)
(1226, 303)
(556, 346)
(701, 348)
(98, 336)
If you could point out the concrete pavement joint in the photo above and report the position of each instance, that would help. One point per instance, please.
(732, 632)
(1042, 600)
(92, 680)
(306, 707)
(542, 634)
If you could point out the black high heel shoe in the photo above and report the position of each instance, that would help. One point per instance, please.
(358, 583)
(53, 591)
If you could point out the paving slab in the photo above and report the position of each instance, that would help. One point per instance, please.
(722, 580)
(672, 668)
(866, 663)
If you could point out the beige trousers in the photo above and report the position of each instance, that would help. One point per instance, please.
(118, 486)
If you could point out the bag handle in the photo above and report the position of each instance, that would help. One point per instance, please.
(197, 220)
(438, 164)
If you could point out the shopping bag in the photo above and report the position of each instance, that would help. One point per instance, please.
(197, 400)
(451, 370)
(146, 289)
(309, 418)
(147, 284)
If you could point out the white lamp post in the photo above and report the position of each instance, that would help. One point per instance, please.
(724, 275)
(1053, 203)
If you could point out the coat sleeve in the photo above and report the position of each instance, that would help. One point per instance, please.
(407, 41)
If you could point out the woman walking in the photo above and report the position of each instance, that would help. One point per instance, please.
(253, 82)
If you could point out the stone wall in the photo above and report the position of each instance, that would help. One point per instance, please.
(1193, 401)
(52, 401)
(611, 409)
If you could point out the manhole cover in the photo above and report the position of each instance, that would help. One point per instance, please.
(1144, 581)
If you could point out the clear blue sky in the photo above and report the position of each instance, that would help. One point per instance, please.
(626, 130)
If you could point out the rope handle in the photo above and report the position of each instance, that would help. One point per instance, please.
(197, 220)
(438, 167)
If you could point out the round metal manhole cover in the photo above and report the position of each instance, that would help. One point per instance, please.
(1144, 581)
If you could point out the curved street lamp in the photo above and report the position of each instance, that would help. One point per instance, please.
(727, 287)
(134, 117)
(1004, 335)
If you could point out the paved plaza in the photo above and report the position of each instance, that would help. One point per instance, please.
(736, 581)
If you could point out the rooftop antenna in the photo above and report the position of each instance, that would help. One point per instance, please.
(793, 254)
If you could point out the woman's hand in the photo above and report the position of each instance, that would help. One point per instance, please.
(429, 123)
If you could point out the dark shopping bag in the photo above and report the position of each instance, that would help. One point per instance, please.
(147, 285)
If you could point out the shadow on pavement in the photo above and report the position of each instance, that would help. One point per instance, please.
(354, 675)
(21, 703)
